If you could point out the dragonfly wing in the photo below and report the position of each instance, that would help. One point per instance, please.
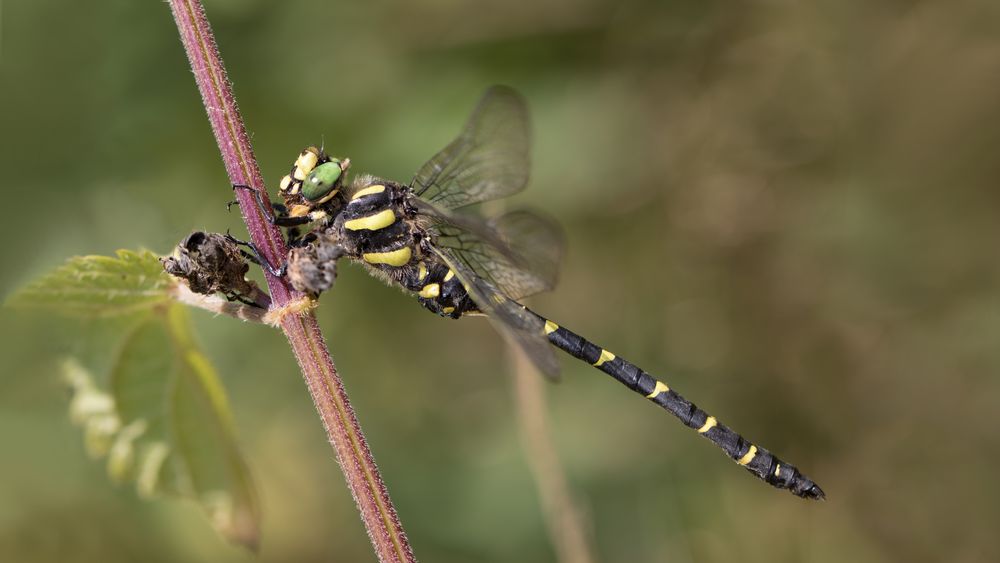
(511, 319)
(518, 252)
(489, 160)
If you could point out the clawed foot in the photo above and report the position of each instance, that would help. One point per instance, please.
(255, 256)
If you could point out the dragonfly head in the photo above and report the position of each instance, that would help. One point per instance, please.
(324, 181)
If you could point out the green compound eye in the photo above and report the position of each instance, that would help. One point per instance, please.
(321, 184)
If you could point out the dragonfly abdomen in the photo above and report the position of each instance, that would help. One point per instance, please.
(438, 289)
(755, 459)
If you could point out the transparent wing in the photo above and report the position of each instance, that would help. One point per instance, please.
(489, 160)
(515, 323)
(518, 252)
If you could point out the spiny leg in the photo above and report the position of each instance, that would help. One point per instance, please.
(268, 210)
(279, 217)
(255, 256)
(279, 209)
(234, 296)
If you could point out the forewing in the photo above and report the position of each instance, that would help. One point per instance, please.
(489, 160)
(518, 325)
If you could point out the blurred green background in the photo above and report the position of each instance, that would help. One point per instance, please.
(787, 210)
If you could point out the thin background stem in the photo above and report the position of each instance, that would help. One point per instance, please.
(301, 329)
(566, 523)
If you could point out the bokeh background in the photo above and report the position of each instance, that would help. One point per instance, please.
(787, 210)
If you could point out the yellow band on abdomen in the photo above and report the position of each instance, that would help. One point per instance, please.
(748, 457)
(660, 387)
(430, 291)
(605, 357)
(709, 423)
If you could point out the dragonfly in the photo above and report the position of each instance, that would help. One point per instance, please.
(429, 237)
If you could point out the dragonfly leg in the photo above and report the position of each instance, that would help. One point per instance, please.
(274, 213)
(254, 255)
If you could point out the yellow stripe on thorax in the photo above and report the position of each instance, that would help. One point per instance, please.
(392, 258)
(421, 271)
(748, 457)
(709, 423)
(380, 220)
(449, 275)
(376, 189)
(661, 387)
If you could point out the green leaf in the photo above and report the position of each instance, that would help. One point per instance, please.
(141, 376)
(205, 440)
(172, 431)
(100, 286)
(141, 381)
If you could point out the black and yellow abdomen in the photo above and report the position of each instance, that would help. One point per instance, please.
(439, 289)
(755, 459)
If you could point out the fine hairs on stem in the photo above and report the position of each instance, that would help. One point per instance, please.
(301, 329)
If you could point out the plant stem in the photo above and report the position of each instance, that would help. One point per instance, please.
(566, 522)
(301, 329)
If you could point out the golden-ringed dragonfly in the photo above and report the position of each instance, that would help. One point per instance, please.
(423, 237)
